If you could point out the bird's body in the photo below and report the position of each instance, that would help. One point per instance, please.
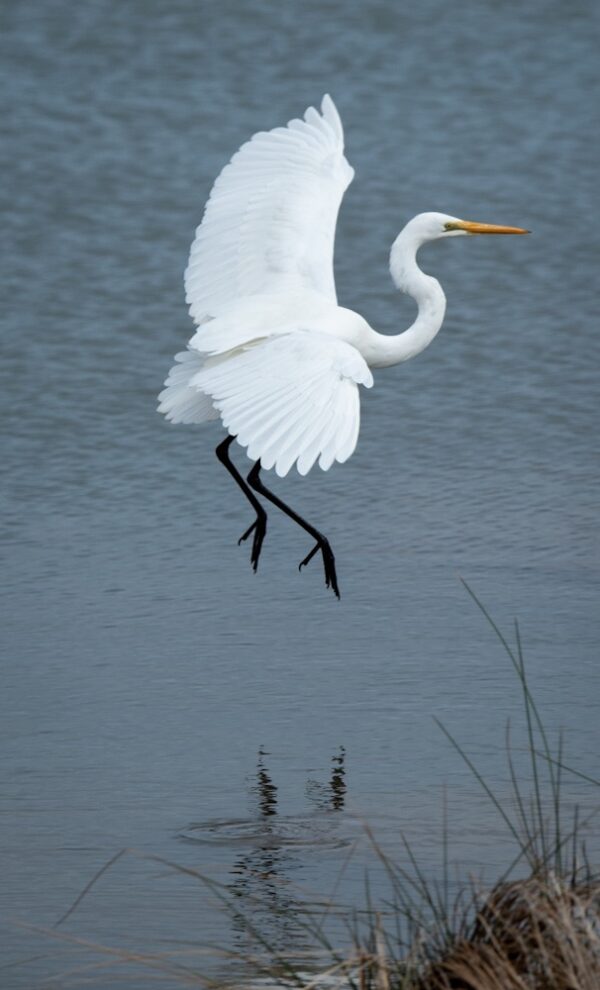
(274, 355)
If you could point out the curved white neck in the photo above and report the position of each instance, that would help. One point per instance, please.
(427, 293)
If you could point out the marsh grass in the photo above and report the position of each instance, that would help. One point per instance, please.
(538, 932)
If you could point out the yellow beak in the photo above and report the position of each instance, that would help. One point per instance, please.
(484, 228)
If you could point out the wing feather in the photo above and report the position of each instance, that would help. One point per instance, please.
(290, 399)
(331, 438)
(285, 445)
(270, 444)
(269, 224)
(349, 433)
(265, 428)
(317, 435)
(309, 451)
(180, 400)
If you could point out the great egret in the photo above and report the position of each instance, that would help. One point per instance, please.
(274, 355)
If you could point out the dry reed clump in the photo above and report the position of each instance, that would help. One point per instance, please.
(535, 934)
(542, 933)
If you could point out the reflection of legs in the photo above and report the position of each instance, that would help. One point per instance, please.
(267, 791)
(322, 543)
(259, 526)
(337, 783)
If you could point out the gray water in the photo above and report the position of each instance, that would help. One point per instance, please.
(156, 694)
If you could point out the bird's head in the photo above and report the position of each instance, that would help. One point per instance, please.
(433, 226)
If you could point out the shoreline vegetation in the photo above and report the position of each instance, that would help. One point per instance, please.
(540, 931)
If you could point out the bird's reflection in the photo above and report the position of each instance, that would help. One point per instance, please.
(265, 788)
(265, 878)
(261, 877)
(330, 796)
(337, 784)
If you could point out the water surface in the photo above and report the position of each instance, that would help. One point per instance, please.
(154, 688)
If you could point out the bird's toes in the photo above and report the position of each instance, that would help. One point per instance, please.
(259, 528)
(309, 556)
(245, 535)
(328, 564)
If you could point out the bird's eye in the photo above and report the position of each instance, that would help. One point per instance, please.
(450, 225)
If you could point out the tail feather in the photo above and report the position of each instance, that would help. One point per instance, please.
(181, 402)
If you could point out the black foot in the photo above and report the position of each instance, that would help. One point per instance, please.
(259, 528)
(328, 563)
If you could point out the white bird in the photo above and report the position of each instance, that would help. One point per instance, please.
(274, 355)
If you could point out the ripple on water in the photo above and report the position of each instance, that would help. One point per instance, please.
(324, 831)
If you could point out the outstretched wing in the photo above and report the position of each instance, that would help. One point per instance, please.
(269, 224)
(292, 398)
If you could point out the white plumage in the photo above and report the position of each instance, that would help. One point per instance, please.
(182, 402)
(290, 398)
(261, 265)
(274, 356)
(269, 224)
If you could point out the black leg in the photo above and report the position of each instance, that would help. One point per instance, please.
(322, 543)
(259, 526)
